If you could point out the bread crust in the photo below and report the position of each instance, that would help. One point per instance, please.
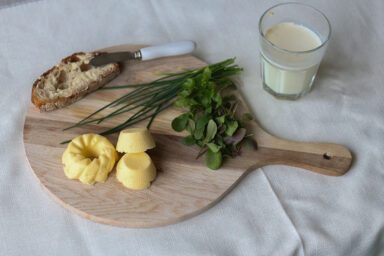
(60, 102)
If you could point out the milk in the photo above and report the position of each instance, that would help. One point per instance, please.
(290, 72)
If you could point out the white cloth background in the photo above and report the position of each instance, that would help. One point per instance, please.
(274, 211)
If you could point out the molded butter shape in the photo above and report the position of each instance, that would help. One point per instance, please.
(89, 158)
(136, 170)
(135, 140)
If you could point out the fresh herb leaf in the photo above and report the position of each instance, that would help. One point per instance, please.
(220, 120)
(206, 76)
(211, 131)
(213, 147)
(201, 122)
(191, 126)
(213, 159)
(236, 138)
(208, 110)
(189, 140)
(217, 98)
(180, 122)
(182, 102)
(199, 133)
(231, 127)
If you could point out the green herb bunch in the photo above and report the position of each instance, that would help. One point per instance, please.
(211, 118)
(146, 101)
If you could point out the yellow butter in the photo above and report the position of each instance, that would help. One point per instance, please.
(89, 158)
(136, 170)
(135, 140)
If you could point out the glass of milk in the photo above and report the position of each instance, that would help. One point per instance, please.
(293, 40)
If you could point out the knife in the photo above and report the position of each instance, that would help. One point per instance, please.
(146, 53)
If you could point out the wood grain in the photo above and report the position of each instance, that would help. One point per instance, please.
(184, 186)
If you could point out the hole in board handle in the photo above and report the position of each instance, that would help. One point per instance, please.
(327, 156)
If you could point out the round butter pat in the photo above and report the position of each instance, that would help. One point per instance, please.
(136, 170)
(135, 140)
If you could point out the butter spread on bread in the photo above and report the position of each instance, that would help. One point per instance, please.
(71, 80)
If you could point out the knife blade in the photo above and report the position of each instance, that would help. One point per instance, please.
(146, 53)
(106, 58)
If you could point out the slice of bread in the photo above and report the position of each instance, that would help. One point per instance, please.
(71, 80)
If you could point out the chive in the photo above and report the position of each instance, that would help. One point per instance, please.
(153, 117)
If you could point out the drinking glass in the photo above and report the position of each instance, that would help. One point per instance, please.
(289, 74)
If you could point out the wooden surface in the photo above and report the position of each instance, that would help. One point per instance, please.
(184, 186)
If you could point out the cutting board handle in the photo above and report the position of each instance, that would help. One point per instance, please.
(324, 158)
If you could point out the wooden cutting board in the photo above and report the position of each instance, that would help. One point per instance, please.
(184, 186)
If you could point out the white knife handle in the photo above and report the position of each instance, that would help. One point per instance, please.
(168, 49)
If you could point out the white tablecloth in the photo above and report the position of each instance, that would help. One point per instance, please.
(274, 211)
